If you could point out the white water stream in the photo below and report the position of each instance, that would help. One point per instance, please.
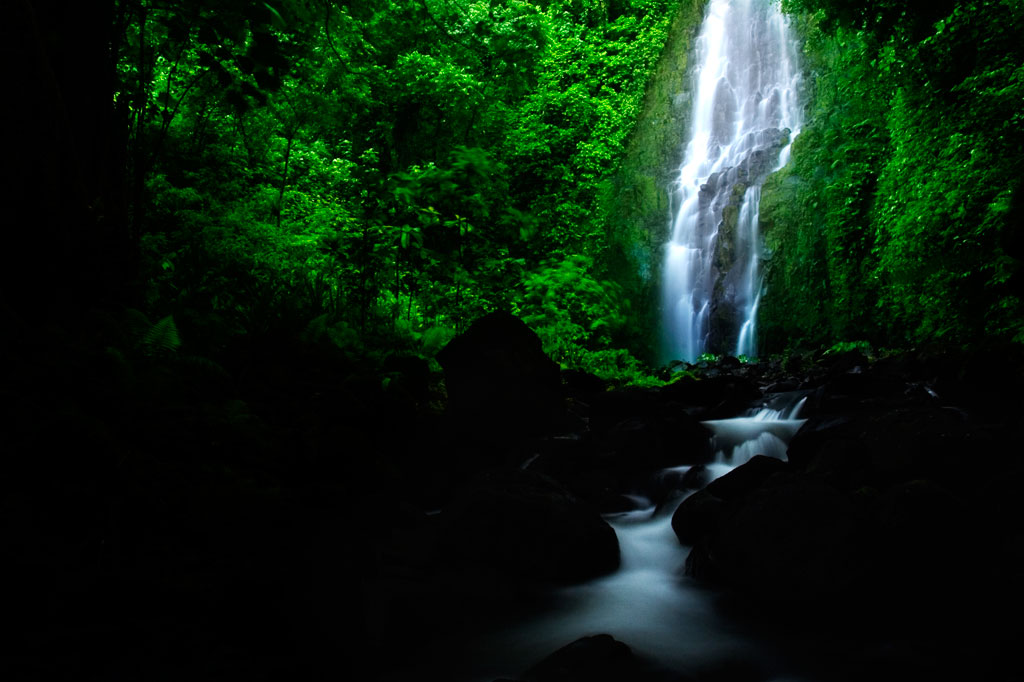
(745, 115)
(649, 603)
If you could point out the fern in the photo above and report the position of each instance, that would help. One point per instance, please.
(162, 337)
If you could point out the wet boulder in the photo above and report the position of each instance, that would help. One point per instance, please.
(526, 526)
(598, 658)
(886, 446)
(658, 440)
(632, 433)
(792, 543)
(919, 519)
(697, 517)
(612, 407)
(742, 480)
(499, 380)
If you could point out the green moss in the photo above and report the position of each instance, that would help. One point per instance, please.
(635, 200)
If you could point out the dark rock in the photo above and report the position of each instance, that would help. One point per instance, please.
(918, 520)
(729, 362)
(695, 478)
(600, 488)
(612, 407)
(410, 374)
(783, 386)
(852, 361)
(697, 517)
(642, 431)
(669, 486)
(843, 464)
(987, 378)
(897, 445)
(599, 658)
(657, 441)
(731, 670)
(720, 397)
(578, 381)
(739, 482)
(640, 440)
(616, 504)
(860, 390)
(527, 526)
(794, 543)
(499, 379)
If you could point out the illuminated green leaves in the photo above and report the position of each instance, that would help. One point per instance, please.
(908, 166)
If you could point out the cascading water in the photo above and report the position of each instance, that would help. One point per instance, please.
(745, 115)
(762, 432)
(649, 604)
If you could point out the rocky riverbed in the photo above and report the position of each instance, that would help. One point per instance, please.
(291, 514)
(886, 545)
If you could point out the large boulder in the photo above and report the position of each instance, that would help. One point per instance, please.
(589, 659)
(792, 543)
(886, 446)
(526, 526)
(643, 431)
(598, 658)
(629, 434)
(741, 481)
(696, 519)
(499, 379)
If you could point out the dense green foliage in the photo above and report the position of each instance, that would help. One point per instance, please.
(391, 170)
(381, 173)
(898, 221)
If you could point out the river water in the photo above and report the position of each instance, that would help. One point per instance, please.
(649, 603)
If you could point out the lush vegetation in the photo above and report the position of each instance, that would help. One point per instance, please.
(898, 222)
(237, 231)
(379, 174)
(387, 171)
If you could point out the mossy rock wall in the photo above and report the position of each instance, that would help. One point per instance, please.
(635, 201)
(795, 307)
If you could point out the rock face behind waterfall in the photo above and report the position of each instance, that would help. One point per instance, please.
(732, 250)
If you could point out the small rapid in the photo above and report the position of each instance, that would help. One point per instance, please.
(649, 603)
(764, 431)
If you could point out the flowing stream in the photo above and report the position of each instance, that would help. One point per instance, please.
(648, 603)
(745, 115)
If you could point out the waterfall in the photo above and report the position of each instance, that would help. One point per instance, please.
(745, 115)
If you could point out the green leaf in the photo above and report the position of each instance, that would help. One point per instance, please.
(276, 19)
(162, 336)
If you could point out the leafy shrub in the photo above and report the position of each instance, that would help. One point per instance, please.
(571, 311)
